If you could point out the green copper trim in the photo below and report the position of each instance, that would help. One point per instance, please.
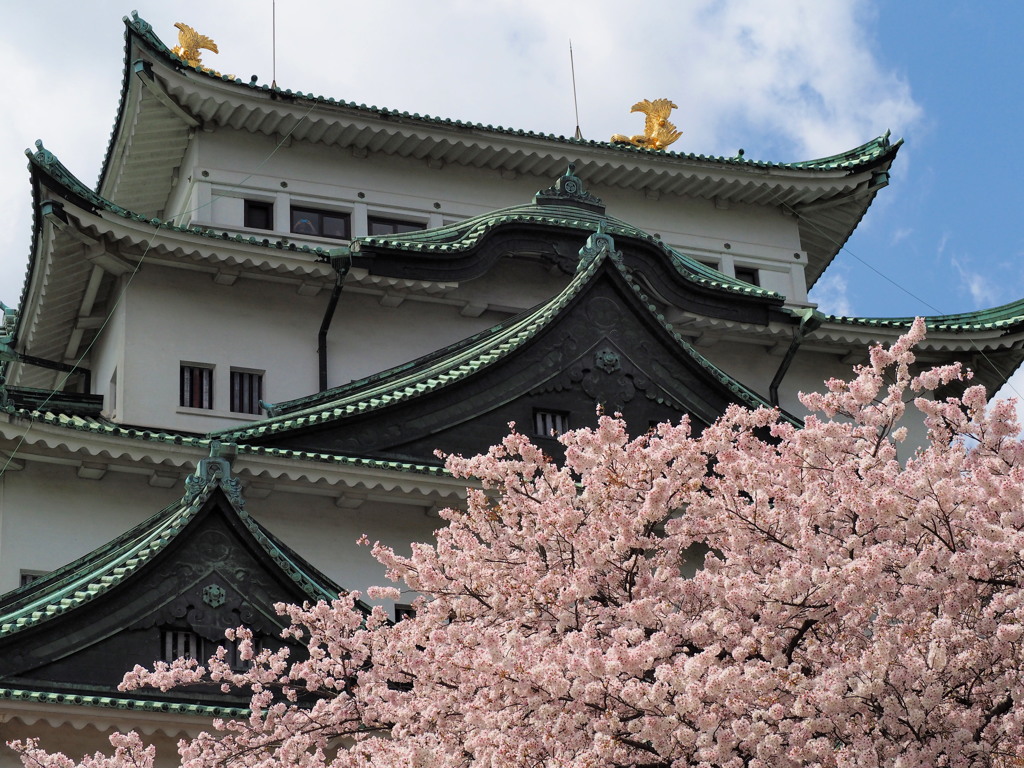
(102, 427)
(1005, 317)
(118, 703)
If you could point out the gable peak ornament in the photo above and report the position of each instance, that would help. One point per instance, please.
(658, 131)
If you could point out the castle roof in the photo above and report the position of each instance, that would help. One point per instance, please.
(163, 98)
(688, 381)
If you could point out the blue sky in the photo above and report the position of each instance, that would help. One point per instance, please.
(785, 80)
(946, 229)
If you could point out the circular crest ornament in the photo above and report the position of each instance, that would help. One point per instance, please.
(214, 595)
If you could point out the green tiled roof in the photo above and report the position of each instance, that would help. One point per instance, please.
(465, 235)
(101, 426)
(854, 158)
(68, 403)
(455, 363)
(120, 703)
(48, 162)
(96, 573)
(1006, 318)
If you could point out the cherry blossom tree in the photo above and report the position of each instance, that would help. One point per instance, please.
(846, 608)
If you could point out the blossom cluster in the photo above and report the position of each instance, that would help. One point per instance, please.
(755, 595)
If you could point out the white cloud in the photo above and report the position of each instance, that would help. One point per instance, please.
(830, 294)
(977, 284)
(899, 235)
(785, 81)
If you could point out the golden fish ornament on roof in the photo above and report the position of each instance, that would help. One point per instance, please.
(658, 131)
(190, 45)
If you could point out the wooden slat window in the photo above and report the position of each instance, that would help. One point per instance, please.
(181, 643)
(196, 386)
(550, 423)
(246, 391)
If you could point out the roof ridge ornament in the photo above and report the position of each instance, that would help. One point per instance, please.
(658, 131)
(599, 245)
(568, 189)
(190, 46)
(215, 470)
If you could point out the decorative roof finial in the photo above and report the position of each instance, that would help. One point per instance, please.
(190, 43)
(215, 470)
(598, 245)
(658, 131)
(568, 189)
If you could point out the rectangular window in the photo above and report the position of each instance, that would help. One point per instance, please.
(379, 225)
(748, 275)
(404, 612)
(246, 391)
(259, 215)
(196, 386)
(310, 221)
(550, 423)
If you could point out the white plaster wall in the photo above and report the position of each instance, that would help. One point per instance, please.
(50, 516)
(325, 534)
(232, 166)
(176, 316)
(366, 338)
(182, 203)
(106, 358)
(756, 367)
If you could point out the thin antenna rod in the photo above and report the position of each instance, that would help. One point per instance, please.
(575, 103)
(273, 47)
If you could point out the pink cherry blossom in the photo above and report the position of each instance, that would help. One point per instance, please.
(851, 608)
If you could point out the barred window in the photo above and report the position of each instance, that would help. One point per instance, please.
(550, 423)
(184, 643)
(246, 391)
(196, 386)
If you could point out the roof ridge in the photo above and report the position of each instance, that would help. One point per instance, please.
(1008, 315)
(405, 381)
(870, 149)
